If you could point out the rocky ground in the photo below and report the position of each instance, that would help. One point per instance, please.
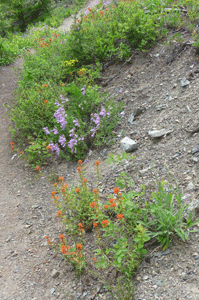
(160, 90)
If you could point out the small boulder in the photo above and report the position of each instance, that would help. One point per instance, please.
(55, 273)
(128, 145)
(158, 133)
(184, 82)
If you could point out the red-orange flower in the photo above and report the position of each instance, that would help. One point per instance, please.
(45, 85)
(95, 191)
(59, 213)
(116, 190)
(46, 101)
(48, 240)
(102, 13)
(61, 237)
(70, 73)
(61, 178)
(63, 249)
(63, 84)
(77, 190)
(111, 200)
(21, 152)
(12, 143)
(106, 206)
(84, 180)
(38, 168)
(48, 147)
(53, 194)
(68, 247)
(50, 40)
(63, 190)
(80, 225)
(120, 216)
(95, 225)
(97, 163)
(93, 204)
(12, 147)
(79, 247)
(105, 223)
(79, 169)
(80, 161)
(89, 9)
(113, 204)
(55, 184)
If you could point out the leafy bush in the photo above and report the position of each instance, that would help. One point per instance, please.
(19, 13)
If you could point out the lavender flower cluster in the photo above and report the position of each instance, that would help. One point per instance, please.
(60, 116)
(103, 114)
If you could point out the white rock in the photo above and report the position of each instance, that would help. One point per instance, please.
(158, 133)
(184, 82)
(128, 144)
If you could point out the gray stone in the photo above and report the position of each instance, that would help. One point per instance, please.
(103, 153)
(157, 282)
(159, 133)
(161, 253)
(193, 206)
(55, 273)
(170, 98)
(137, 112)
(196, 159)
(160, 107)
(195, 149)
(52, 291)
(190, 186)
(197, 70)
(184, 82)
(185, 197)
(131, 118)
(128, 145)
(8, 239)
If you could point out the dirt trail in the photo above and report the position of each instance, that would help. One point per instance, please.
(25, 211)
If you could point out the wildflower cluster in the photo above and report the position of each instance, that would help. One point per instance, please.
(97, 120)
(13, 148)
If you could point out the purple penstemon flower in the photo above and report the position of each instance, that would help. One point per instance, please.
(54, 130)
(57, 103)
(54, 147)
(122, 113)
(62, 140)
(83, 90)
(76, 122)
(60, 116)
(103, 112)
(46, 130)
